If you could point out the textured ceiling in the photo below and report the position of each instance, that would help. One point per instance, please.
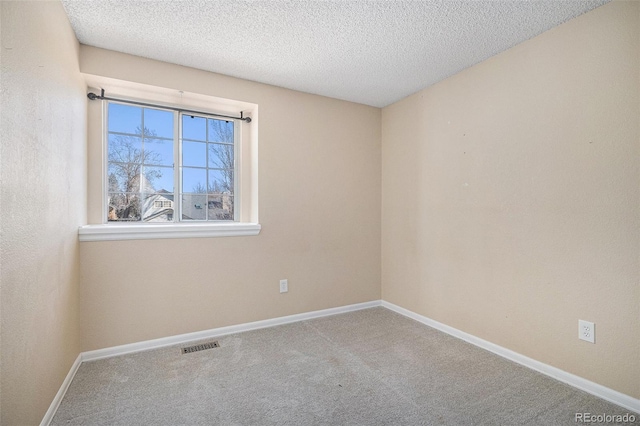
(371, 52)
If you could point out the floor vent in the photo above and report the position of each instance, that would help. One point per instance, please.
(200, 347)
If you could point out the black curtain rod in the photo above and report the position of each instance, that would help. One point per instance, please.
(93, 97)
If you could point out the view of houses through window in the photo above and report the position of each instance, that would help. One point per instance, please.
(147, 162)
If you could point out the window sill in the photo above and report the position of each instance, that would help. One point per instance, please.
(147, 231)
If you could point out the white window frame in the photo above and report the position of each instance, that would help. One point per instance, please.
(237, 167)
(241, 226)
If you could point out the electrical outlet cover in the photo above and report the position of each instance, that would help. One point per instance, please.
(586, 331)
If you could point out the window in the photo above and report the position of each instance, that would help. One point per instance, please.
(160, 162)
(158, 169)
(159, 204)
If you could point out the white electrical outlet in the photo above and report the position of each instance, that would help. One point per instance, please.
(586, 331)
(284, 286)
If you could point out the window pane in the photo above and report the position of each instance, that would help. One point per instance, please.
(116, 182)
(158, 179)
(125, 119)
(194, 206)
(158, 123)
(220, 156)
(158, 152)
(220, 206)
(124, 177)
(194, 128)
(194, 180)
(124, 207)
(125, 149)
(221, 181)
(220, 131)
(194, 154)
(158, 208)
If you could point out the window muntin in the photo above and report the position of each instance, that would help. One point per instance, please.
(145, 183)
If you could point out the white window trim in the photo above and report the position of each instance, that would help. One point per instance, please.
(113, 231)
(151, 231)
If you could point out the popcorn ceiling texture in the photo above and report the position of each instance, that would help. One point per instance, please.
(370, 52)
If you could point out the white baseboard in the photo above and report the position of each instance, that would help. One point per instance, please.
(217, 332)
(600, 391)
(48, 416)
(593, 388)
(186, 338)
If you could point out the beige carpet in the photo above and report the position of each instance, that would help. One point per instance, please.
(370, 367)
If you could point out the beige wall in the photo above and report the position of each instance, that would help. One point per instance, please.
(511, 203)
(319, 206)
(42, 203)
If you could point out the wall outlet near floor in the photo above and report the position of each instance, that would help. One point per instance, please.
(284, 286)
(586, 331)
